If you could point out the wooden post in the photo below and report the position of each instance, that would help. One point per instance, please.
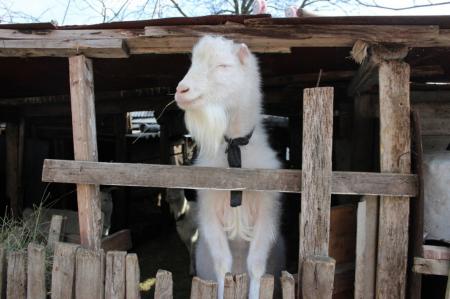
(12, 168)
(318, 277)
(115, 275)
(36, 272)
(54, 233)
(267, 287)
(2, 272)
(16, 285)
(85, 147)
(395, 157)
(316, 174)
(164, 285)
(447, 291)
(90, 270)
(132, 276)
(63, 271)
(229, 287)
(241, 286)
(287, 285)
(202, 289)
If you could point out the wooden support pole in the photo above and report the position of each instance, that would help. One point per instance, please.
(36, 272)
(241, 286)
(267, 287)
(16, 285)
(287, 285)
(431, 267)
(12, 168)
(85, 147)
(395, 157)
(115, 275)
(54, 233)
(164, 285)
(316, 174)
(90, 274)
(202, 289)
(318, 277)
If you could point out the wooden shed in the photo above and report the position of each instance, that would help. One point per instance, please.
(67, 89)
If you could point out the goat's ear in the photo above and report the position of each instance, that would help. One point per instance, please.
(243, 53)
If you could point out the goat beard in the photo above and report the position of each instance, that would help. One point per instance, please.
(207, 126)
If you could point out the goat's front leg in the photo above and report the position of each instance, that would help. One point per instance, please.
(265, 233)
(211, 229)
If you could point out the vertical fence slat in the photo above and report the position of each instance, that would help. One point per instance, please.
(241, 286)
(63, 272)
(2, 272)
(318, 277)
(395, 156)
(164, 285)
(229, 287)
(115, 275)
(132, 276)
(16, 285)
(287, 285)
(203, 289)
(316, 173)
(54, 233)
(267, 287)
(85, 147)
(90, 274)
(36, 272)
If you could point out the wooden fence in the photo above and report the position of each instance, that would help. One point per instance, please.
(76, 273)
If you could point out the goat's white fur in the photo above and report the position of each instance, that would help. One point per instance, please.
(221, 96)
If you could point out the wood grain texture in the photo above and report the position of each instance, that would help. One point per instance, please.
(115, 275)
(36, 272)
(431, 267)
(318, 277)
(316, 174)
(287, 285)
(395, 156)
(267, 287)
(132, 276)
(202, 289)
(90, 274)
(3, 272)
(85, 147)
(16, 285)
(54, 233)
(193, 177)
(241, 286)
(229, 287)
(164, 285)
(63, 272)
(366, 248)
(436, 252)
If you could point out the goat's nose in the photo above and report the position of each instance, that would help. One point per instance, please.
(181, 88)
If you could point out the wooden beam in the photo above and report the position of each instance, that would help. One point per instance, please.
(193, 177)
(318, 277)
(431, 267)
(12, 169)
(316, 177)
(436, 252)
(395, 156)
(104, 48)
(36, 288)
(90, 274)
(85, 147)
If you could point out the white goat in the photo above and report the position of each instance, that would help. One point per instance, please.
(221, 97)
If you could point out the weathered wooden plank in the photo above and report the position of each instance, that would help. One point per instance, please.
(115, 275)
(12, 168)
(54, 234)
(366, 248)
(16, 284)
(229, 287)
(317, 174)
(318, 277)
(241, 286)
(395, 156)
(132, 276)
(103, 48)
(202, 289)
(85, 147)
(267, 287)
(90, 270)
(287, 285)
(120, 240)
(193, 177)
(164, 285)
(36, 272)
(72, 34)
(436, 252)
(431, 267)
(63, 272)
(2, 272)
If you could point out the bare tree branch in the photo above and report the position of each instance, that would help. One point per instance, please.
(375, 5)
(178, 8)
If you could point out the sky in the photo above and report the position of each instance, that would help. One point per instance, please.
(80, 12)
